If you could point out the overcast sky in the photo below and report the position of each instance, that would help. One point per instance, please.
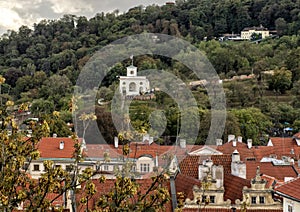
(15, 13)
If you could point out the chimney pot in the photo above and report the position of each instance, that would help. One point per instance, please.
(231, 137)
(219, 142)
(234, 142)
(249, 143)
(182, 143)
(116, 142)
(61, 145)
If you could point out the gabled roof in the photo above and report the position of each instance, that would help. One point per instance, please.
(290, 189)
(49, 147)
(206, 150)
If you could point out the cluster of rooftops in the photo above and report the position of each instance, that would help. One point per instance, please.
(240, 174)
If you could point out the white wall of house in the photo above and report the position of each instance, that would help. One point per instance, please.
(144, 164)
(290, 205)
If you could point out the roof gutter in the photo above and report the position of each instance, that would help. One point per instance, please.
(287, 196)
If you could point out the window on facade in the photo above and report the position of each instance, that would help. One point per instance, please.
(132, 86)
(253, 200)
(105, 167)
(212, 199)
(69, 168)
(290, 208)
(262, 200)
(36, 167)
(145, 167)
(131, 72)
(203, 198)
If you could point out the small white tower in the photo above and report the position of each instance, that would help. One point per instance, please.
(132, 84)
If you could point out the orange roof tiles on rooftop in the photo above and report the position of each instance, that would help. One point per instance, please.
(290, 189)
(279, 171)
(51, 147)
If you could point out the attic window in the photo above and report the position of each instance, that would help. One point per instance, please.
(250, 159)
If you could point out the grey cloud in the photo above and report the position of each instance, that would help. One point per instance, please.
(32, 11)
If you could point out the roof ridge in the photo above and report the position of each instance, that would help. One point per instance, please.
(287, 182)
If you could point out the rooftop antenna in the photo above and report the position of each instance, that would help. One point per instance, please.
(131, 57)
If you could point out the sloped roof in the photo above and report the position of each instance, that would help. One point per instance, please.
(290, 189)
(234, 187)
(224, 160)
(136, 150)
(104, 188)
(49, 147)
(241, 147)
(267, 168)
(189, 166)
(185, 184)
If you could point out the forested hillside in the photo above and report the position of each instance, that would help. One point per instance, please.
(39, 63)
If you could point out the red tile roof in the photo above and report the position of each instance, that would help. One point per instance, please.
(242, 148)
(189, 166)
(267, 168)
(104, 188)
(282, 146)
(224, 160)
(234, 187)
(136, 150)
(49, 147)
(185, 184)
(290, 189)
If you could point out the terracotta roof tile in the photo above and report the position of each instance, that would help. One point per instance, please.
(49, 147)
(185, 184)
(282, 146)
(189, 166)
(234, 187)
(224, 160)
(290, 188)
(104, 188)
(242, 148)
(267, 168)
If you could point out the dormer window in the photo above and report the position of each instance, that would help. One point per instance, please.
(145, 167)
